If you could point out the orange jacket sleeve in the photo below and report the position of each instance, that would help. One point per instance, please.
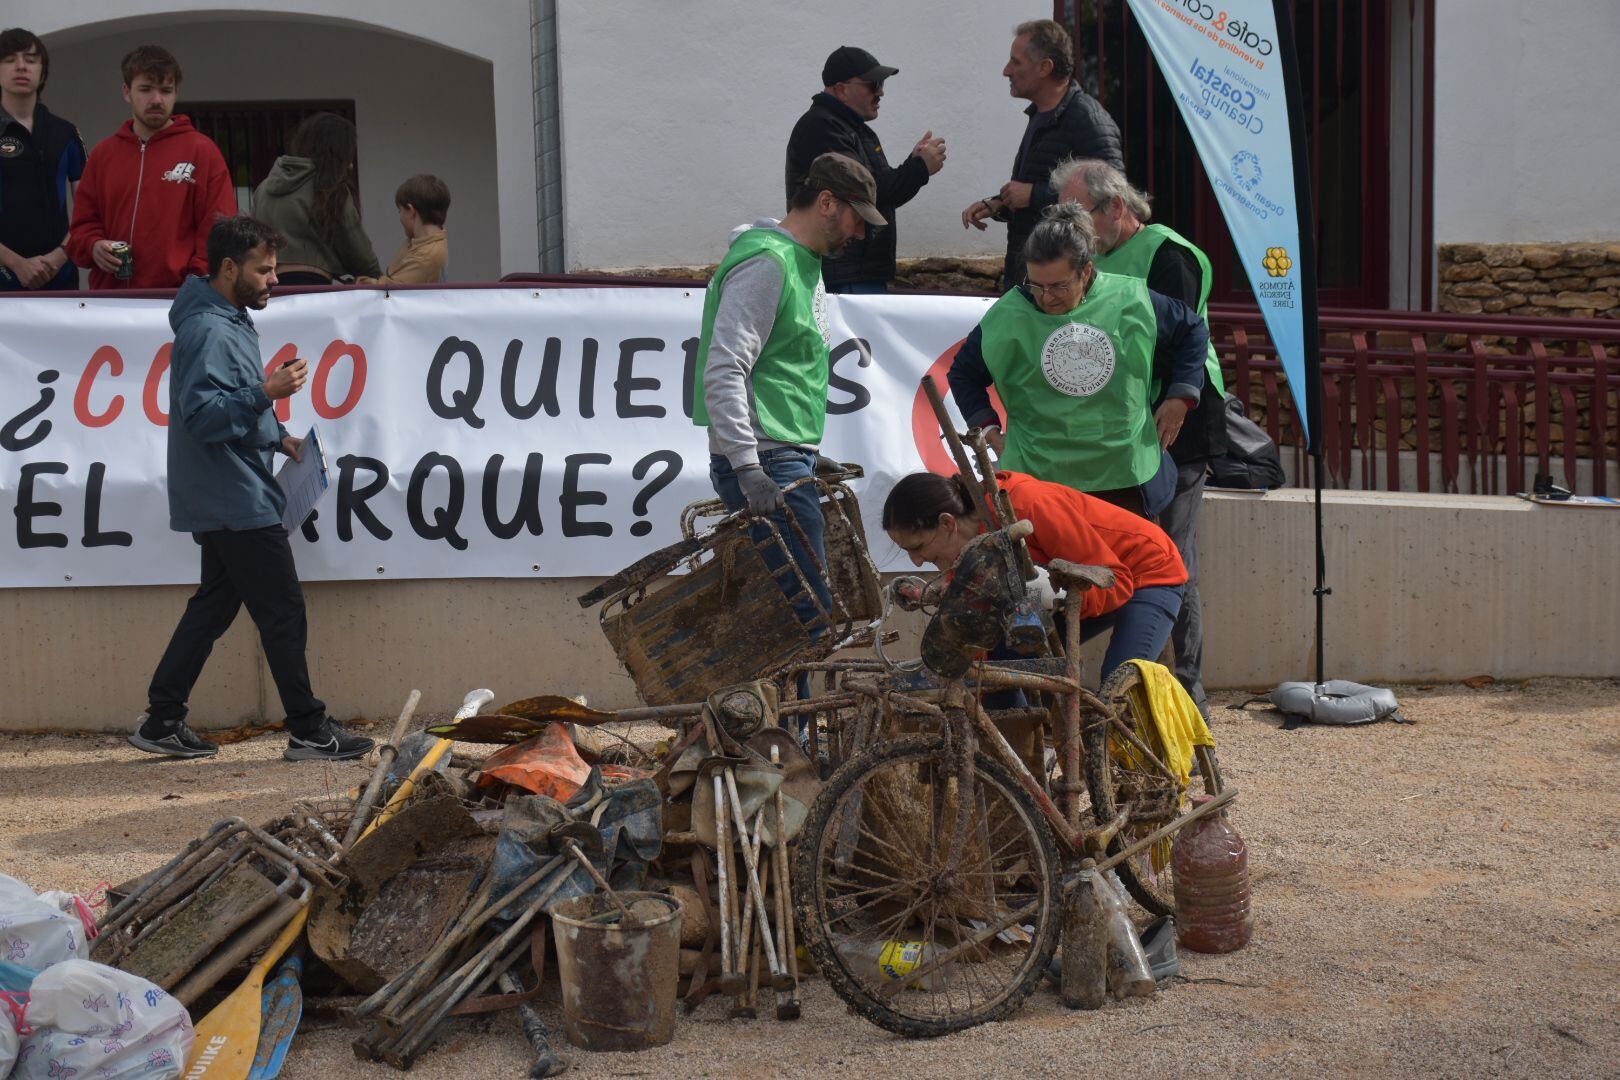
(1063, 532)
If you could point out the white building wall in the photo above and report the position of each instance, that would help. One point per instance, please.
(676, 116)
(406, 125)
(1527, 134)
(432, 86)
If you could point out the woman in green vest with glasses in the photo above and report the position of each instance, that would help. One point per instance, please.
(1071, 353)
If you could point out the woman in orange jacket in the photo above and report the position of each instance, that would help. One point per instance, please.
(932, 518)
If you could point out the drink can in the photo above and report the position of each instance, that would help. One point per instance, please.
(126, 261)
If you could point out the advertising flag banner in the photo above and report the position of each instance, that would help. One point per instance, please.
(1228, 65)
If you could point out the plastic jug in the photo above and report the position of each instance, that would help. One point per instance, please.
(1211, 871)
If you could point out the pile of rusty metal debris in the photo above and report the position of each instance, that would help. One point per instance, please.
(427, 894)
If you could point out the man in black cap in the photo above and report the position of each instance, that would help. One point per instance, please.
(836, 122)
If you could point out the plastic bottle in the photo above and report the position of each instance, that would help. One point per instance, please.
(1129, 974)
(891, 959)
(1084, 980)
(1210, 864)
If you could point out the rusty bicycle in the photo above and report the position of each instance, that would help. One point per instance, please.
(931, 876)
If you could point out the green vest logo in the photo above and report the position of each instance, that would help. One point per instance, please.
(1078, 360)
(823, 318)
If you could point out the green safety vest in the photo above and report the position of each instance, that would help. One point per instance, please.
(1134, 257)
(789, 378)
(1076, 385)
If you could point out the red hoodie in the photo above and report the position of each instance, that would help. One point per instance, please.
(162, 196)
(1084, 529)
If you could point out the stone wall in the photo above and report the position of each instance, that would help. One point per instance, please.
(1573, 281)
(982, 275)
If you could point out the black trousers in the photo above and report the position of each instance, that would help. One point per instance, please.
(253, 567)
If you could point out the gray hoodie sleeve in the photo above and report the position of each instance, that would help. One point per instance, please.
(742, 324)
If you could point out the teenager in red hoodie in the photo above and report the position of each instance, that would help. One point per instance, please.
(157, 183)
(932, 518)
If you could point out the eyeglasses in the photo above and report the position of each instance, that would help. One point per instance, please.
(1058, 288)
(874, 87)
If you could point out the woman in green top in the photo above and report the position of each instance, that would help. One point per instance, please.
(1070, 351)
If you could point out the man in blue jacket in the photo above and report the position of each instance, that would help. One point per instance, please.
(223, 437)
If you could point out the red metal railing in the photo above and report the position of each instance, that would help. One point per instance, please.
(1409, 395)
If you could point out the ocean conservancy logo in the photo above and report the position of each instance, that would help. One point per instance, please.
(1078, 360)
(1246, 170)
(182, 173)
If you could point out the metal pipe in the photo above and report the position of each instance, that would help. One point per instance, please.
(958, 451)
(1071, 712)
(386, 756)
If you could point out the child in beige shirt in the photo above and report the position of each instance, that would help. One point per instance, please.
(423, 202)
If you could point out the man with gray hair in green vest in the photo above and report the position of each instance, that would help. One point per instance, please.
(1170, 264)
(763, 363)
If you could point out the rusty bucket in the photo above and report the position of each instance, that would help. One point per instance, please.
(618, 982)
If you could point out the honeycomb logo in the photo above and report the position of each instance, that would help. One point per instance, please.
(1277, 262)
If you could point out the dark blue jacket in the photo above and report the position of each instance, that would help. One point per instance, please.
(223, 434)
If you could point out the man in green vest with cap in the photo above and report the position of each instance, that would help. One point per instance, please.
(763, 362)
(1169, 264)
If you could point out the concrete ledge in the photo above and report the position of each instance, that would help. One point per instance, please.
(1425, 588)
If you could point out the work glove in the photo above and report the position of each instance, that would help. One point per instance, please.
(763, 495)
(826, 466)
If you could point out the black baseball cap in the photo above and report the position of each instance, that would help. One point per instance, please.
(847, 62)
(849, 180)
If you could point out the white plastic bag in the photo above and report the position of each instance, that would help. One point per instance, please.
(93, 1022)
(34, 932)
(10, 1041)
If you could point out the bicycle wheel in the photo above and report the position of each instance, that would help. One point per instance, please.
(1120, 777)
(877, 903)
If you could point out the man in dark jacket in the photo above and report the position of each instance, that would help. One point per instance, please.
(1064, 121)
(41, 160)
(836, 122)
(223, 437)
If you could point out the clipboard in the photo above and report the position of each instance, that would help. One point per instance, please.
(303, 482)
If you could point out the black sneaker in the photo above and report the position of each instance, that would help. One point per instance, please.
(170, 740)
(327, 743)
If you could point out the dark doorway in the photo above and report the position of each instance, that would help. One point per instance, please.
(252, 134)
(1343, 53)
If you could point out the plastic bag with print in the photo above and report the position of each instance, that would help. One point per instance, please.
(93, 1022)
(10, 1040)
(34, 932)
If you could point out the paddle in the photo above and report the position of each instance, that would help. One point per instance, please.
(283, 1008)
(228, 1037)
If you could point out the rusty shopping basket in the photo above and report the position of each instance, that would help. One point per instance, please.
(707, 612)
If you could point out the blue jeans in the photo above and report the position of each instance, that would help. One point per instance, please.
(1141, 626)
(785, 464)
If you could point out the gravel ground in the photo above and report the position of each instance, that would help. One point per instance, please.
(1439, 899)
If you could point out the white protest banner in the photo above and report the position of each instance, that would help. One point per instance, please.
(499, 432)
